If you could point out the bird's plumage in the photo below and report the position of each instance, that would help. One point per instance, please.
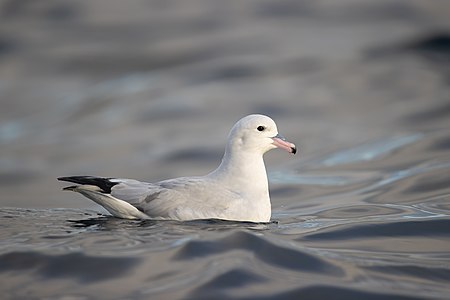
(236, 190)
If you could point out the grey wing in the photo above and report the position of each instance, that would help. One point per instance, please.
(181, 198)
(135, 192)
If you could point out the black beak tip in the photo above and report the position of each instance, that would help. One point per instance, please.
(294, 150)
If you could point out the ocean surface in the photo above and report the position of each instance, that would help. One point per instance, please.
(149, 90)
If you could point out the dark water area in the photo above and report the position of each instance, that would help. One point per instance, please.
(149, 89)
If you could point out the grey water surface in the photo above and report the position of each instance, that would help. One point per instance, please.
(149, 89)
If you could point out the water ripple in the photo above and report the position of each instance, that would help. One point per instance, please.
(371, 151)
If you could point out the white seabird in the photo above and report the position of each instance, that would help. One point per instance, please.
(237, 190)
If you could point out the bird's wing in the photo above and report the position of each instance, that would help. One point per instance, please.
(180, 198)
(184, 198)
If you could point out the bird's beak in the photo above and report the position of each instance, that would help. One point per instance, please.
(280, 142)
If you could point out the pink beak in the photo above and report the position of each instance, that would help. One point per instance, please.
(280, 142)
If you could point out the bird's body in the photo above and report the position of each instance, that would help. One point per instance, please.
(237, 190)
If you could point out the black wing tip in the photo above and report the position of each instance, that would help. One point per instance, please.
(103, 183)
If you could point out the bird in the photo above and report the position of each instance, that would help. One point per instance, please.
(236, 191)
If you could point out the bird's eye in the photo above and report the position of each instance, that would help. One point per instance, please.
(261, 128)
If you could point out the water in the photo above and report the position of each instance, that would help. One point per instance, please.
(149, 91)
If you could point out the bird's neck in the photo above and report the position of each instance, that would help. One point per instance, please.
(245, 170)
